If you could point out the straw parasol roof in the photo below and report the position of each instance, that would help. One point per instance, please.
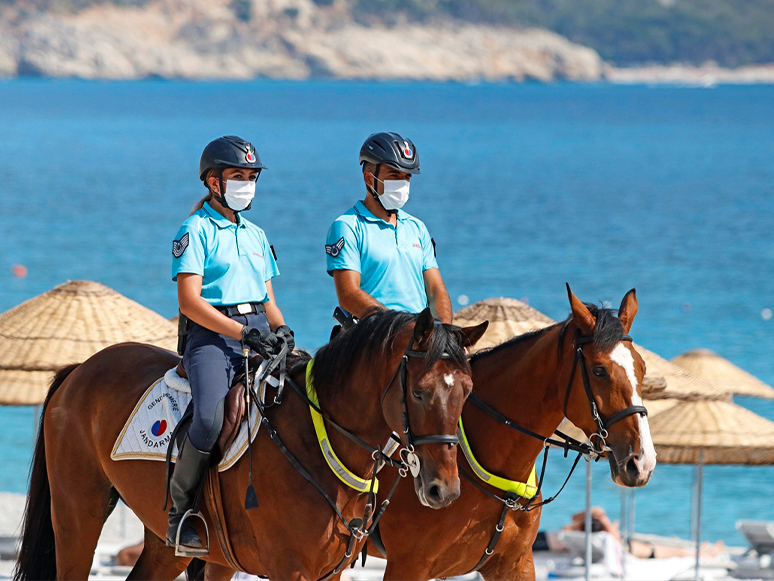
(723, 374)
(509, 317)
(67, 325)
(727, 434)
(680, 384)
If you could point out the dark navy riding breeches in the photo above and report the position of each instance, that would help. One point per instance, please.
(211, 361)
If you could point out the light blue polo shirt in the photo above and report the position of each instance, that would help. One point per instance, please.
(234, 260)
(390, 259)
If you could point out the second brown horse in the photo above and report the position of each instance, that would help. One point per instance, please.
(530, 380)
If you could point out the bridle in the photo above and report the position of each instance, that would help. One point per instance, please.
(594, 450)
(359, 528)
(401, 372)
(603, 425)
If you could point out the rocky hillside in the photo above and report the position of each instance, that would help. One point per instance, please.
(289, 39)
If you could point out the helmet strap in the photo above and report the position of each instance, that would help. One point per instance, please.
(375, 194)
(221, 197)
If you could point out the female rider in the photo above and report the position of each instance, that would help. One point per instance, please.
(223, 266)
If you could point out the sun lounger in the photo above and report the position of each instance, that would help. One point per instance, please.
(759, 533)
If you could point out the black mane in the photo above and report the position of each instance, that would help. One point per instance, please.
(511, 342)
(372, 338)
(608, 332)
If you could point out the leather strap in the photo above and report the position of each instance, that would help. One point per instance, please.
(214, 500)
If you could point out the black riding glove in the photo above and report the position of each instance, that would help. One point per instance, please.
(285, 332)
(265, 343)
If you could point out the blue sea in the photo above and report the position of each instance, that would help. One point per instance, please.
(524, 187)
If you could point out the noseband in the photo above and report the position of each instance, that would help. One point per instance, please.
(400, 372)
(597, 440)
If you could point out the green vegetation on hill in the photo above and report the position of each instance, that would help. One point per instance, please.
(625, 32)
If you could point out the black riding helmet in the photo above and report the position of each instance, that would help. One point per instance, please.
(390, 149)
(227, 152)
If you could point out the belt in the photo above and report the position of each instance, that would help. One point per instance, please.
(243, 309)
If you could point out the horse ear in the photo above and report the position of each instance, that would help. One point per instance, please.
(474, 333)
(423, 329)
(580, 314)
(628, 310)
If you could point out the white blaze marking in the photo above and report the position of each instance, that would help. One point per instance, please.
(623, 357)
(449, 379)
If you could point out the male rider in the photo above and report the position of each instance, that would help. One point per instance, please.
(379, 255)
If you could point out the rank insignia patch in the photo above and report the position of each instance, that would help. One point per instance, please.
(334, 249)
(179, 246)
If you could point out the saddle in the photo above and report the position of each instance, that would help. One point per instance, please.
(234, 413)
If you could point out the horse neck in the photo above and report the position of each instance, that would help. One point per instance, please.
(357, 407)
(520, 381)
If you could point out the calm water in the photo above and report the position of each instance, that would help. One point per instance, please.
(524, 187)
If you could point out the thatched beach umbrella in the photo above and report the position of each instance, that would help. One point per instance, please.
(507, 319)
(711, 432)
(723, 374)
(67, 325)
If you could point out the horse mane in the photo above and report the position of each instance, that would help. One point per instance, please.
(608, 332)
(511, 342)
(372, 338)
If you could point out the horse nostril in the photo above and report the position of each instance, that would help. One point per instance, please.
(631, 467)
(435, 493)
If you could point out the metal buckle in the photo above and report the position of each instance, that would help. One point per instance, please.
(245, 309)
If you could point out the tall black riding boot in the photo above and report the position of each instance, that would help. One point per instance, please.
(190, 468)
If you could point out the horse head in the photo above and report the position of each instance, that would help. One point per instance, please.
(604, 396)
(435, 382)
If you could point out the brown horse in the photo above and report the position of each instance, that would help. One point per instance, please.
(535, 380)
(294, 533)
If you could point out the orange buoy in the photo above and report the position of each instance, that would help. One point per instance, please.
(19, 270)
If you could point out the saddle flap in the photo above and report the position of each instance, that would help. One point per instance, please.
(233, 416)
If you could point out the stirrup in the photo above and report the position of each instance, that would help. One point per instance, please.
(189, 551)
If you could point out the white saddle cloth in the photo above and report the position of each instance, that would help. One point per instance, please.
(148, 431)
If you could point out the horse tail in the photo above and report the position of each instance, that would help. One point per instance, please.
(37, 555)
(195, 570)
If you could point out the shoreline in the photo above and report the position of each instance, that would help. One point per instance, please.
(662, 75)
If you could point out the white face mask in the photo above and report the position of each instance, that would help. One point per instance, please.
(239, 194)
(396, 193)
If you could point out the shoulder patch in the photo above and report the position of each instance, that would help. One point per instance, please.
(335, 249)
(273, 253)
(179, 246)
(435, 254)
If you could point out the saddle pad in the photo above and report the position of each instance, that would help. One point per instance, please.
(149, 428)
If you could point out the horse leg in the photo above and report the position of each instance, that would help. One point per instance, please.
(157, 562)
(78, 518)
(216, 572)
(521, 569)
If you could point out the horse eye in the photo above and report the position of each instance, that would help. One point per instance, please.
(417, 394)
(599, 371)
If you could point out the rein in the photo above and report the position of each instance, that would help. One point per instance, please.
(510, 499)
(358, 527)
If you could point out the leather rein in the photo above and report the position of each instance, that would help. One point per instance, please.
(408, 463)
(594, 450)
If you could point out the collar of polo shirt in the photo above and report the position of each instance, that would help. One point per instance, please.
(219, 219)
(361, 209)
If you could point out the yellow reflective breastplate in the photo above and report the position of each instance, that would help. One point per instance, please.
(526, 489)
(338, 468)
